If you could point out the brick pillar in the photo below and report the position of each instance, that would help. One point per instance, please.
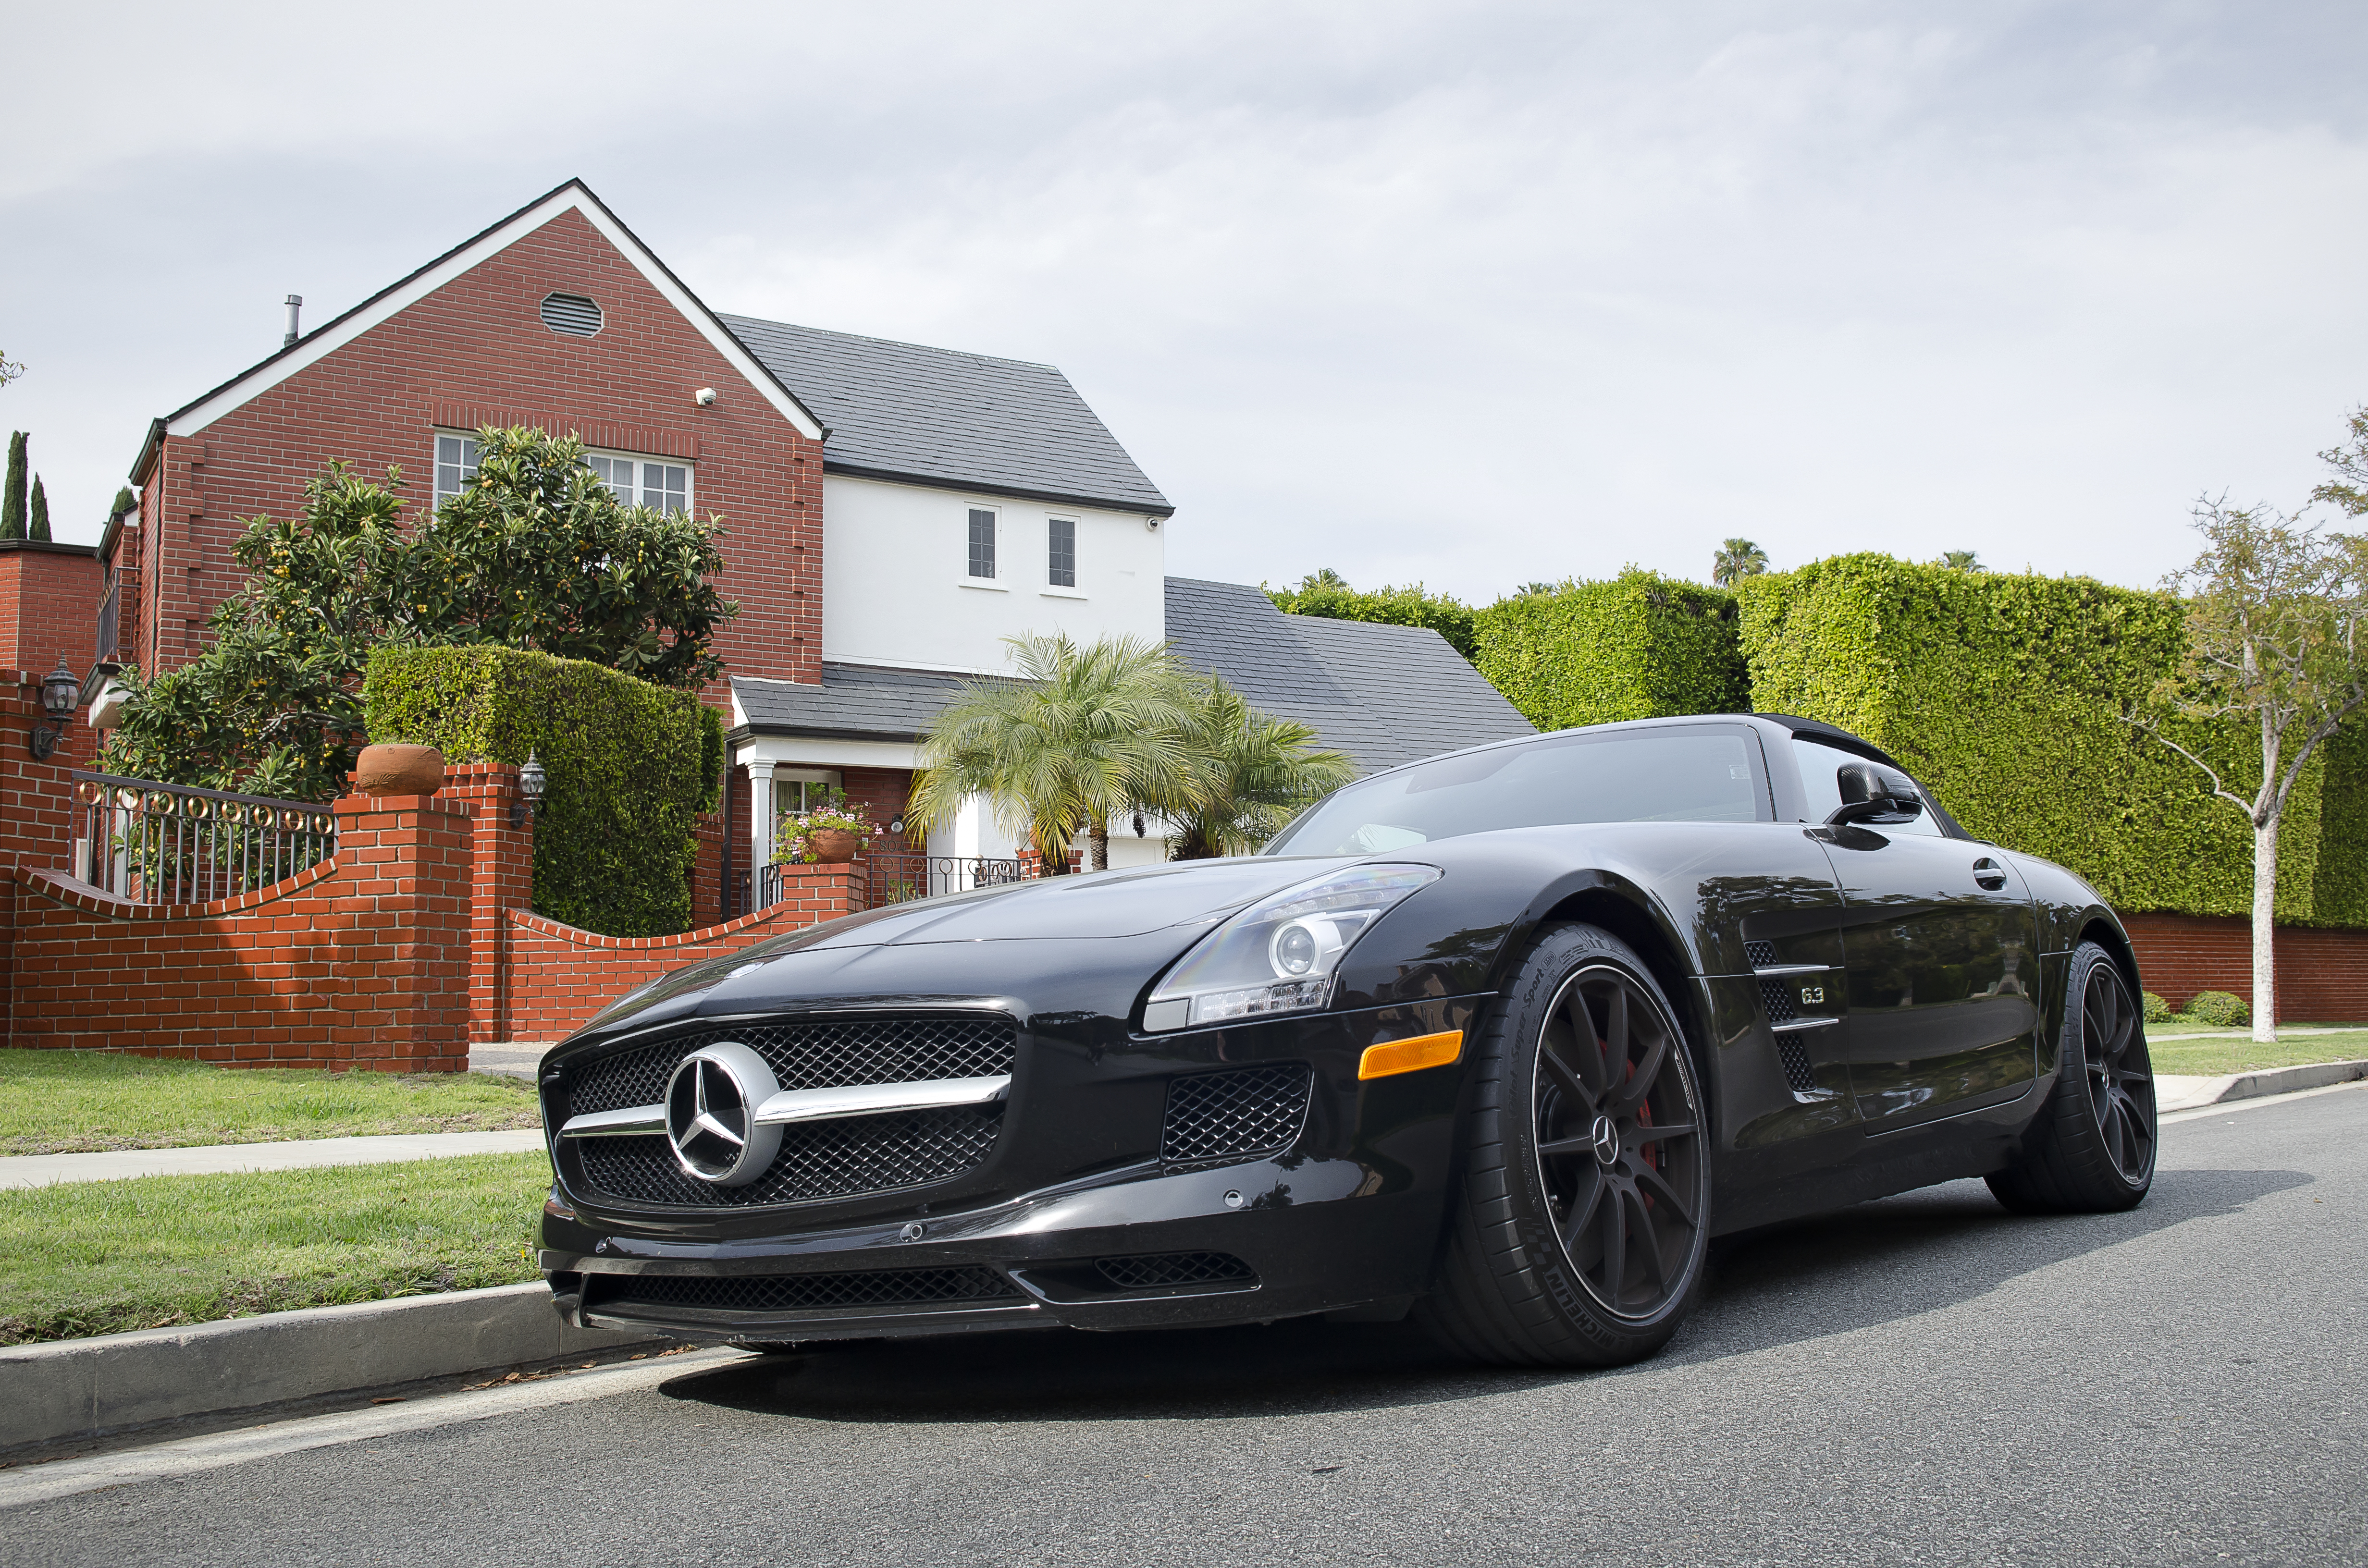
(403, 914)
(501, 879)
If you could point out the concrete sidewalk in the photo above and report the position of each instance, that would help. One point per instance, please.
(212, 1159)
(2174, 1091)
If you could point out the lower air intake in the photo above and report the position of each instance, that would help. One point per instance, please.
(1235, 1115)
(1163, 1268)
(797, 1293)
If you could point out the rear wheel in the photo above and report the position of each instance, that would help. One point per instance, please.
(1578, 1230)
(2092, 1147)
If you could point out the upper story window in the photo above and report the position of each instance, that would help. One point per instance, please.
(635, 481)
(982, 542)
(1060, 557)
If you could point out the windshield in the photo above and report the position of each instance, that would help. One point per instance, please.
(1709, 773)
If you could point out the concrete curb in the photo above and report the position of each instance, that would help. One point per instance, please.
(2193, 1092)
(76, 1389)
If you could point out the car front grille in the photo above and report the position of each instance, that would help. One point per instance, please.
(848, 1158)
(1156, 1269)
(1234, 1115)
(797, 1293)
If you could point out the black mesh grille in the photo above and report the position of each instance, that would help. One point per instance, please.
(1760, 954)
(822, 1159)
(1778, 995)
(826, 1055)
(799, 1292)
(1796, 1064)
(1173, 1268)
(1234, 1115)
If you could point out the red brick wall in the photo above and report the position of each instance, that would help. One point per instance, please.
(49, 606)
(560, 976)
(475, 352)
(361, 962)
(2322, 975)
(38, 817)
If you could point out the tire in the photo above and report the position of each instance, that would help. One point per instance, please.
(1570, 1245)
(2091, 1148)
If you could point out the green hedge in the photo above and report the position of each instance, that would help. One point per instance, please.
(627, 765)
(1391, 607)
(1640, 646)
(2004, 693)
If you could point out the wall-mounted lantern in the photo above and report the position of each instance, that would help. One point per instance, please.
(61, 694)
(532, 779)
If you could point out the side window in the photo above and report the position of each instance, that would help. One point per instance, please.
(1821, 768)
(617, 474)
(455, 463)
(1061, 564)
(982, 542)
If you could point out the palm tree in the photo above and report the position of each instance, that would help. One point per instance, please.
(1533, 590)
(1322, 578)
(1736, 559)
(1250, 773)
(1082, 734)
(1961, 561)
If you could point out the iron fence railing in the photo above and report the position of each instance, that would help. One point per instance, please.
(151, 843)
(108, 625)
(895, 877)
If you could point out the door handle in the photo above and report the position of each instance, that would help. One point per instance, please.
(1988, 874)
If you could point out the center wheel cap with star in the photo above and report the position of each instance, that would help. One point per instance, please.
(711, 1115)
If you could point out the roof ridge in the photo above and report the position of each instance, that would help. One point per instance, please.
(898, 342)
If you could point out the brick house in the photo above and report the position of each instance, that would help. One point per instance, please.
(893, 512)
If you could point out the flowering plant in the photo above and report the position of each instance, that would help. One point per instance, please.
(837, 811)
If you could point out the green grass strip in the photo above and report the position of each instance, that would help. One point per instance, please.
(155, 1252)
(64, 1102)
(2215, 1058)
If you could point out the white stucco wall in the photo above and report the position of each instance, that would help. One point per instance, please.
(895, 589)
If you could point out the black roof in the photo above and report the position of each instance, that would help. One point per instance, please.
(939, 416)
(1386, 695)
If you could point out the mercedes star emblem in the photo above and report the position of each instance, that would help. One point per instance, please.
(710, 1114)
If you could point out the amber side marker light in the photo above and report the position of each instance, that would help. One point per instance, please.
(1410, 1055)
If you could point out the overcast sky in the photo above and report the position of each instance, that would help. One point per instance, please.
(1469, 294)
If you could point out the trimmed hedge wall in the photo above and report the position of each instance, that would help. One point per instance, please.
(1390, 607)
(2003, 693)
(1640, 646)
(627, 761)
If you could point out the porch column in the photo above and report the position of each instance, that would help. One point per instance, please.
(760, 821)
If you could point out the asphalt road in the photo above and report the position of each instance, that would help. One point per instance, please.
(1925, 1379)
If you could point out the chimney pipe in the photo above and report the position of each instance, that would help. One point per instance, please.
(294, 302)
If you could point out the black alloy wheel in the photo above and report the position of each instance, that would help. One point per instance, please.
(2091, 1148)
(1578, 1234)
(1619, 1141)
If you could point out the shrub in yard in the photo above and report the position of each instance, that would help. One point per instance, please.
(627, 763)
(2219, 1009)
(2153, 1009)
(1639, 646)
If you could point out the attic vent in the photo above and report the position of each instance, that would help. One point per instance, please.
(571, 313)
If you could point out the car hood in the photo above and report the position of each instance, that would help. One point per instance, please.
(1187, 898)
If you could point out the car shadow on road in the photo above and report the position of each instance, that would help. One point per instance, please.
(1873, 1264)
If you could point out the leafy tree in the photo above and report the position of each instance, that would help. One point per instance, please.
(1323, 594)
(40, 528)
(1081, 736)
(1249, 773)
(12, 498)
(1736, 559)
(1961, 561)
(537, 553)
(10, 369)
(1533, 591)
(2275, 638)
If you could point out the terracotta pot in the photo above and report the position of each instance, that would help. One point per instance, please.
(831, 845)
(399, 770)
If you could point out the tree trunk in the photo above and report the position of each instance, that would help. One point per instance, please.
(2265, 953)
(1098, 845)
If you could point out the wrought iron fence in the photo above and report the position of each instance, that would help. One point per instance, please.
(110, 609)
(896, 878)
(151, 843)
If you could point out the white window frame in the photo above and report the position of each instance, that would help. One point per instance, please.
(998, 582)
(829, 778)
(436, 467)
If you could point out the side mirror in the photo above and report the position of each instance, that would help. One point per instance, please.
(1875, 796)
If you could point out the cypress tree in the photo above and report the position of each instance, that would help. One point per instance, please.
(12, 499)
(41, 528)
(124, 502)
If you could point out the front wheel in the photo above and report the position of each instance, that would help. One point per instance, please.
(2091, 1148)
(1578, 1232)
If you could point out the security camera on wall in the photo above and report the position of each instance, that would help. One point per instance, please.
(1151, 523)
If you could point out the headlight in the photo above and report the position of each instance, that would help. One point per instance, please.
(1279, 954)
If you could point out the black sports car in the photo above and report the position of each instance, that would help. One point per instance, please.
(1501, 1039)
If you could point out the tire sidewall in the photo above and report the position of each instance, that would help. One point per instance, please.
(2072, 1064)
(1559, 956)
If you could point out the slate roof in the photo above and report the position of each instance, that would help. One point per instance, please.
(1386, 695)
(901, 411)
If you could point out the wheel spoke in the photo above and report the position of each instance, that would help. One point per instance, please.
(1566, 1078)
(1578, 1225)
(1562, 1147)
(1648, 1176)
(1616, 1037)
(1636, 1134)
(1615, 1249)
(1648, 1236)
(2111, 1129)
(1631, 1094)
